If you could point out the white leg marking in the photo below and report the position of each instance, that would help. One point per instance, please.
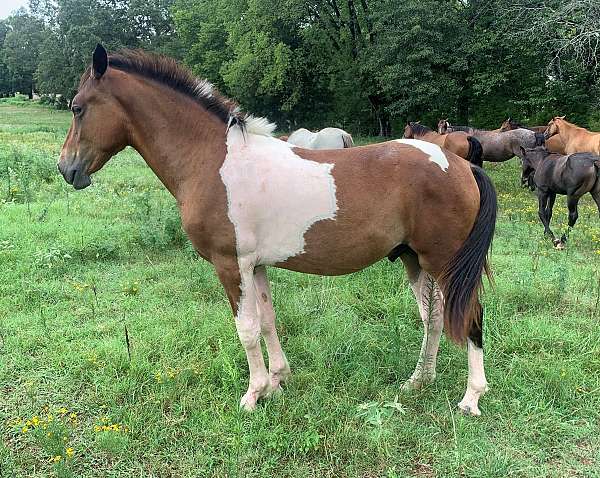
(477, 384)
(279, 369)
(248, 328)
(429, 300)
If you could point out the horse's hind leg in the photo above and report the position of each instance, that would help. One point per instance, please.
(572, 203)
(476, 383)
(279, 370)
(429, 300)
(596, 194)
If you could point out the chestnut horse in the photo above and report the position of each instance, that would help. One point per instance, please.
(459, 143)
(575, 138)
(497, 146)
(248, 201)
(553, 144)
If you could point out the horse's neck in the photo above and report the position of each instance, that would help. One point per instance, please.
(181, 142)
(428, 136)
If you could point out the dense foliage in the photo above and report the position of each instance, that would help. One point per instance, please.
(366, 65)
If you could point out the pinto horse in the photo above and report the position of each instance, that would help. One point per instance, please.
(249, 201)
(572, 175)
(459, 143)
(553, 144)
(575, 138)
(327, 138)
(497, 146)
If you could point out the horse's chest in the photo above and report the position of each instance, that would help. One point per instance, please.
(274, 197)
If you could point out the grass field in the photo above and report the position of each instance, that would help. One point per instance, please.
(76, 268)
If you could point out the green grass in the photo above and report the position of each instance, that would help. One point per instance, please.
(76, 268)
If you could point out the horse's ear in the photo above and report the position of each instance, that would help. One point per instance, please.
(99, 61)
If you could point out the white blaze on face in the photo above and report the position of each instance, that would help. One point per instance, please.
(274, 196)
(434, 152)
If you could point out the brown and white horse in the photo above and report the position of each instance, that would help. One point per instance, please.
(249, 201)
(575, 138)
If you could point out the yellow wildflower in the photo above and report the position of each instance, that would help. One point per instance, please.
(25, 429)
(56, 459)
(63, 411)
(70, 452)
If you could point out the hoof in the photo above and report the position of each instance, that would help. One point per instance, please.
(250, 399)
(413, 384)
(469, 409)
(248, 402)
(559, 245)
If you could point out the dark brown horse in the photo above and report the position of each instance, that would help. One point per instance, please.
(572, 175)
(553, 144)
(497, 146)
(249, 201)
(459, 143)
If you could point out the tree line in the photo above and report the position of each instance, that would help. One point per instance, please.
(364, 65)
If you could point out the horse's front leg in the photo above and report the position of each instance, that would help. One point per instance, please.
(279, 369)
(237, 277)
(546, 202)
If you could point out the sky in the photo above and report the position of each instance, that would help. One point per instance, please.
(8, 6)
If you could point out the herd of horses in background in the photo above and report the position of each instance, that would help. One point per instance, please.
(557, 158)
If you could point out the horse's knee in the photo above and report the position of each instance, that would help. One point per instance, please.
(248, 329)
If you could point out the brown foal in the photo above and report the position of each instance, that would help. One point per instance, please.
(248, 201)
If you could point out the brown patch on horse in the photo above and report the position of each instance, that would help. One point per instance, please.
(283, 137)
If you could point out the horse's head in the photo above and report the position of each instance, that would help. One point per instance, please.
(408, 131)
(443, 126)
(509, 124)
(553, 126)
(531, 159)
(98, 129)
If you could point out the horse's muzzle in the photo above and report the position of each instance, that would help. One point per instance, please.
(75, 176)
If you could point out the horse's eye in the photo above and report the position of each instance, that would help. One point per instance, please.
(76, 110)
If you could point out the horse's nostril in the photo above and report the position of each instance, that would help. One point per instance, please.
(70, 176)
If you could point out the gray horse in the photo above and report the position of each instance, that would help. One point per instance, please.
(498, 146)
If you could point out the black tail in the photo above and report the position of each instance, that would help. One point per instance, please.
(475, 154)
(461, 279)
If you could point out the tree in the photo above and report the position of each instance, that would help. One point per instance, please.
(21, 49)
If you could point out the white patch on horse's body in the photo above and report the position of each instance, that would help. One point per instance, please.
(327, 138)
(434, 152)
(274, 196)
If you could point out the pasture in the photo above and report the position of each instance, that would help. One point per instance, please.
(79, 269)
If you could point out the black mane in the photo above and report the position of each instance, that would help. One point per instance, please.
(419, 129)
(168, 72)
